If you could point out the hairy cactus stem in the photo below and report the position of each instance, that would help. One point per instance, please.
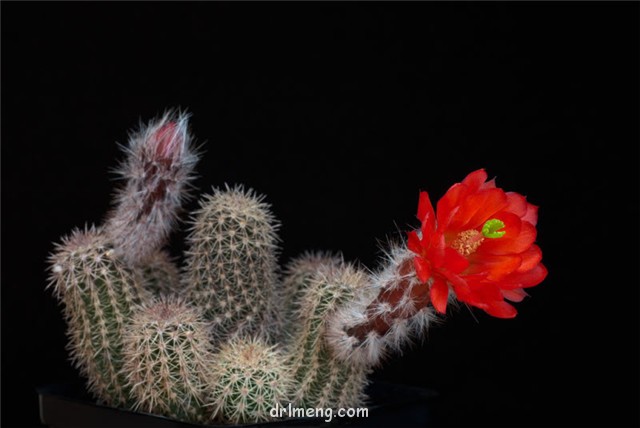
(392, 297)
(157, 171)
(395, 308)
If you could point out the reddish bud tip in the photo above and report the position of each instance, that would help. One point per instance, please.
(169, 139)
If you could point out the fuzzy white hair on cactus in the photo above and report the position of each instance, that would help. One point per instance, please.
(157, 171)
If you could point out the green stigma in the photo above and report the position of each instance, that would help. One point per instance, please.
(491, 228)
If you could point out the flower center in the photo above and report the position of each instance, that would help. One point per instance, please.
(467, 242)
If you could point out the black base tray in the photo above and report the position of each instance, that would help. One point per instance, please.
(391, 405)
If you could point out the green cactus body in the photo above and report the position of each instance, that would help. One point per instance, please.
(159, 275)
(249, 379)
(320, 379)
(231, 263)
(97, 292)
(167, 359)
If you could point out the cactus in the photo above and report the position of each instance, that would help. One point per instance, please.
(98, 292)
(320, 379)
(157, 172)
(249, 379)
(167, 358)
(231, 266)
(311, 338)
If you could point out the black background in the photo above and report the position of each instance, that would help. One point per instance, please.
(340, 113)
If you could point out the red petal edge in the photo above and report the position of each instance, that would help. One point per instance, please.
(439, 295)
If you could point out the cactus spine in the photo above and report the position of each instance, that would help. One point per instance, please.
(320, 379)
(250, 379)
(98, 292)
(167, 358)
(231, 262)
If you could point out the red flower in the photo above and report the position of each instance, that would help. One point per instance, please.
(480, 244)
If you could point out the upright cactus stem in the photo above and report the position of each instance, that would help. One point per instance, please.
(167, 359)
(98, 292)
(231, 264)
(157, 170)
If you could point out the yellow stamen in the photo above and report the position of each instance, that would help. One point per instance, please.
(467, 242)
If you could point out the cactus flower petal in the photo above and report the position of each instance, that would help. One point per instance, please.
(439, 295)
(422, 269)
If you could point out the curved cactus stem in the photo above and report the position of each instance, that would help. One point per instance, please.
(157, 172)
(317, 374)
(97, 291)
